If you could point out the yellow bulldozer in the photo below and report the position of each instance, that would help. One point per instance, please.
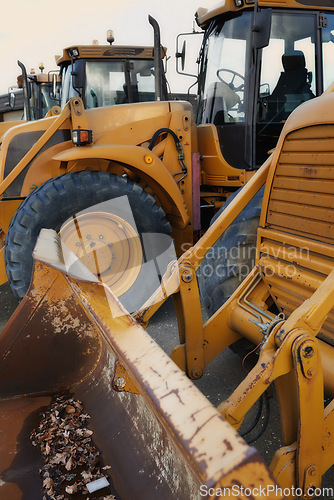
(72, 332)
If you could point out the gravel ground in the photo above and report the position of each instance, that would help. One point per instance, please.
(220, 378)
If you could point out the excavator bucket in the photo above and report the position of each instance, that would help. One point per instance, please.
(155, 434)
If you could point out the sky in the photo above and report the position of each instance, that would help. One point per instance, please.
(34, 31)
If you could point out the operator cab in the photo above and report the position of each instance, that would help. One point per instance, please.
(40, 95)
(249, 92)
(108, 75)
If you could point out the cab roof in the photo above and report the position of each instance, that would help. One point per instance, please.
(204, 16)
(107, 52)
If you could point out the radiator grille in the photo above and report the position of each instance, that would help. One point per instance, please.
(296, 249)
(301, 200)
(293, 269)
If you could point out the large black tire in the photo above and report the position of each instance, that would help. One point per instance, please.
(59, 199)
(232, 257)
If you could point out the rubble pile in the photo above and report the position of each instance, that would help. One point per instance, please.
(72, 466)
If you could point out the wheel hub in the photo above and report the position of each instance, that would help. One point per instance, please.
(108, 246)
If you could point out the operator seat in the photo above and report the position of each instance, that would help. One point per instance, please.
(134, 96)
(293, 87)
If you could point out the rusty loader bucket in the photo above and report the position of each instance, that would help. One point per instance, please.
(156, 435)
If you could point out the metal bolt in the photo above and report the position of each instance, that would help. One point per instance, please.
(312, 471)
(311, 486)
(110, 244)
(308, 351)
(120, 382)
(187, 276)
(92, 244)
(88, 236)
(196, 372)
(310, 372)
(113, 256)
(101, 236)
(78, 244)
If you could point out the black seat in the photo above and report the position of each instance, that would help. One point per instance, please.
(293, 87)
(133, 96)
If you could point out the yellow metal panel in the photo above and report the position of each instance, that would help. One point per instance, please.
(304, 197)
(309, 185)
(302, 190)
(302, 226)
(294, 267)
(297, 209)
(135, 157)
(216, 170)
(3, 275)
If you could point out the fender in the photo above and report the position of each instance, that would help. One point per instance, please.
(142, 161)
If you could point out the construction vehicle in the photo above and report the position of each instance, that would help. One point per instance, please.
(31, 98)
(155, 149)
(37, 91)
(254, 69)
(157, 435)
(11, 105)
(103, 75)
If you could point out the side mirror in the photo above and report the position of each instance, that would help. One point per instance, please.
(185, 65)
(53, 90)
(78, 75)
(261, 28)
(12, 99)
(181, 55)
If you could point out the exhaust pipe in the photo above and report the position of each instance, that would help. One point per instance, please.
(25, 90)
(157, 58)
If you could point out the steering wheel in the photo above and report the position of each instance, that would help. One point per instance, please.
(231, 83)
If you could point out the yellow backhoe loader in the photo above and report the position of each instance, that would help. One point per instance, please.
(172, 170)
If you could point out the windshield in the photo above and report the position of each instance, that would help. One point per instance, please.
(287, 75)
(328, 50)
(110, 82)
(225, 70)
(67, 91)
(118, 82)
